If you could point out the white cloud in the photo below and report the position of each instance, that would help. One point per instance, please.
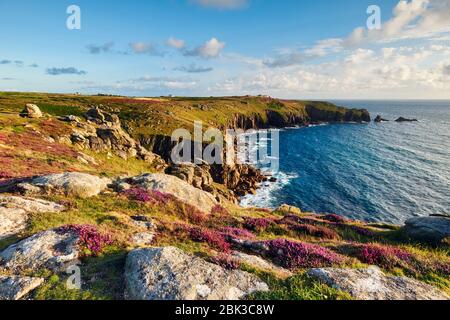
(210, 49)
(144, 48)
(176, 43)
(389, 72)
(222, 4)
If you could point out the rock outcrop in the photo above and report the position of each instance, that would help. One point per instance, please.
(196, 175)
(202, 200)
(16, 287)
(373, 284)
(170, 274)
(379, 119)
(14, 213)
(401, 119)
(31, 111)
(429, 229)
(72, 184)
(50, 249)
(103, 132)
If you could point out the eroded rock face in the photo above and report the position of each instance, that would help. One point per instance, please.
(177, 187)
(197, 176)
(72, 183)
(428, 229)
(15, 287)
(49, 249)
(14, 213)
(373, 284)
(103, 132)
(31, 111)
(170, 274)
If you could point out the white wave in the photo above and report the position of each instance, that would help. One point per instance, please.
(264, 197)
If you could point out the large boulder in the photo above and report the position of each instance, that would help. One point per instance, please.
(72, 183)
(195, 175)
(429, 229)
(373, 284)
(51, 249)
(170, 274)
(31, 111)
(14, 213)
(15, 287)
(177, 187)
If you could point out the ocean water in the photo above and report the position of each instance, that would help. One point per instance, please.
(384, 172)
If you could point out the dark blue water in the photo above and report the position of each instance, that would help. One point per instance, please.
(373, 172)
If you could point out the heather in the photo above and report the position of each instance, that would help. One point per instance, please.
(106, 223)
(295, 255)
(90, 237)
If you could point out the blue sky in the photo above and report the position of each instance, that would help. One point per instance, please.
(287, 48)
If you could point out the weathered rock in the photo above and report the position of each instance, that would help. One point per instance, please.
(84, 158)
(428, 229)
(31, 111)
(27, 189)
(15, 287)
(72, 183)
(14, 213)
(49, 249)
(401, 119)
(287, 209)
(103, 133)
(373, 284)
(170, 274)
(195, 175)
(379, 119)
(177, 187)
(260, 263)
(12, 221)
(143, 238)
(144, 222)
(30, 204)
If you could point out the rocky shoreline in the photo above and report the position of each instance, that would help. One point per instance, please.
(165, 232)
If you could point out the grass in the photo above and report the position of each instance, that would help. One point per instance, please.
(298, 287)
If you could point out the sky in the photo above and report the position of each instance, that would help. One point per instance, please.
(309, 49)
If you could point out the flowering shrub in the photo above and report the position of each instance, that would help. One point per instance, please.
(258, 224)
(316, 231)
(334, 218)
(363, 231)
(294, 255)
(90, 237)
(213, 238)
(226, 262)
(387, 257)
(219, 210)
(138, 194)
(4, 175)
(237, 233)
(293, 219)
(153, 196)
(192, 214)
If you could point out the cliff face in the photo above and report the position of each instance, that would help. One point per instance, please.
(243, 179)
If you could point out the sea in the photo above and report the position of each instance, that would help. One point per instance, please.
(377, 172)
